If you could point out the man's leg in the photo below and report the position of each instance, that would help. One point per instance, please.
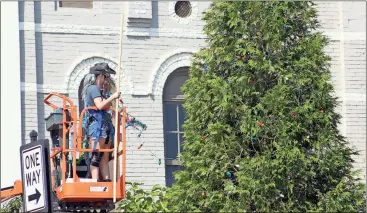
(104, 168)
(95, 161)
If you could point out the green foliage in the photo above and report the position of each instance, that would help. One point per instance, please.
(13, 205)
(260, 94)
(139, 200)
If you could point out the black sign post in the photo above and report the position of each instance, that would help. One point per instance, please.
(36, 176)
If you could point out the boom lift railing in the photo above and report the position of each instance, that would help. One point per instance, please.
(77, 193)
(67, 105)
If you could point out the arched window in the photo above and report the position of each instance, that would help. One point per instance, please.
(173, 119)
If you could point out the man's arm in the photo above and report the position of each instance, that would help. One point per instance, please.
(103, 104)
(96, 95)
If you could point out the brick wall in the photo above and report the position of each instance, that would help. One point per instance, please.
(28, 73)
(354, 21)
(347, 22)
(60, 43)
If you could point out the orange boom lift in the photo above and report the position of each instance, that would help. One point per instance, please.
(76, 192)
(71, 190)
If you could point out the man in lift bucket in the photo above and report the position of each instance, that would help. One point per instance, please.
(98, 123)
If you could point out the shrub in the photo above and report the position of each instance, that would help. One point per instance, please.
(139, 200)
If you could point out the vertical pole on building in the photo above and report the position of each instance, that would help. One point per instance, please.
(117, 110)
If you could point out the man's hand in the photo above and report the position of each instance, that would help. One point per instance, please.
(116, 95)
(103, 104)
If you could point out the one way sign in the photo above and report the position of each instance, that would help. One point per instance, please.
(35, 176)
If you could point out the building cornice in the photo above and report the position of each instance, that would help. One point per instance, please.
(152, 32)
(111, 30)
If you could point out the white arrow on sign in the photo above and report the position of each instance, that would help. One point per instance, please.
(33, 173)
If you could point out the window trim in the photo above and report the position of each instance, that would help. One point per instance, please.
(178, 129)
(178, 100)
(96, 8)
(80, 95)
(180, 15)
(59, 3)
(173, 162)
(186, 21)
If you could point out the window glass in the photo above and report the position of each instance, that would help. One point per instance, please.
(181, 142)
(170, 146)
(181, 117)
(170, 117)
(169, 174)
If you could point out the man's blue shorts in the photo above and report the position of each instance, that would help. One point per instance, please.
(97, 131)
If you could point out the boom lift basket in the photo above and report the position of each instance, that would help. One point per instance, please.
(71, 192)
(77, 190)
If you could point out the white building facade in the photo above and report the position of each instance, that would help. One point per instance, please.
(59, 41)
(10, 122)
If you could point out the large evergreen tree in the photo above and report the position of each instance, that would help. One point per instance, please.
(261, 128)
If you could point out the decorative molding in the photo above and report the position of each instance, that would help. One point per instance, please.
(193, 16)
(152, 32)
(97, 8)
(111, 30)
(47, 88)
(42, 88)
(168, 64)
(139, 14)
(81, 66)
(69, 29)
(140, 9)
(166, 32)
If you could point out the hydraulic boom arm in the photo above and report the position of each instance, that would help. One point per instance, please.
(12, 191)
